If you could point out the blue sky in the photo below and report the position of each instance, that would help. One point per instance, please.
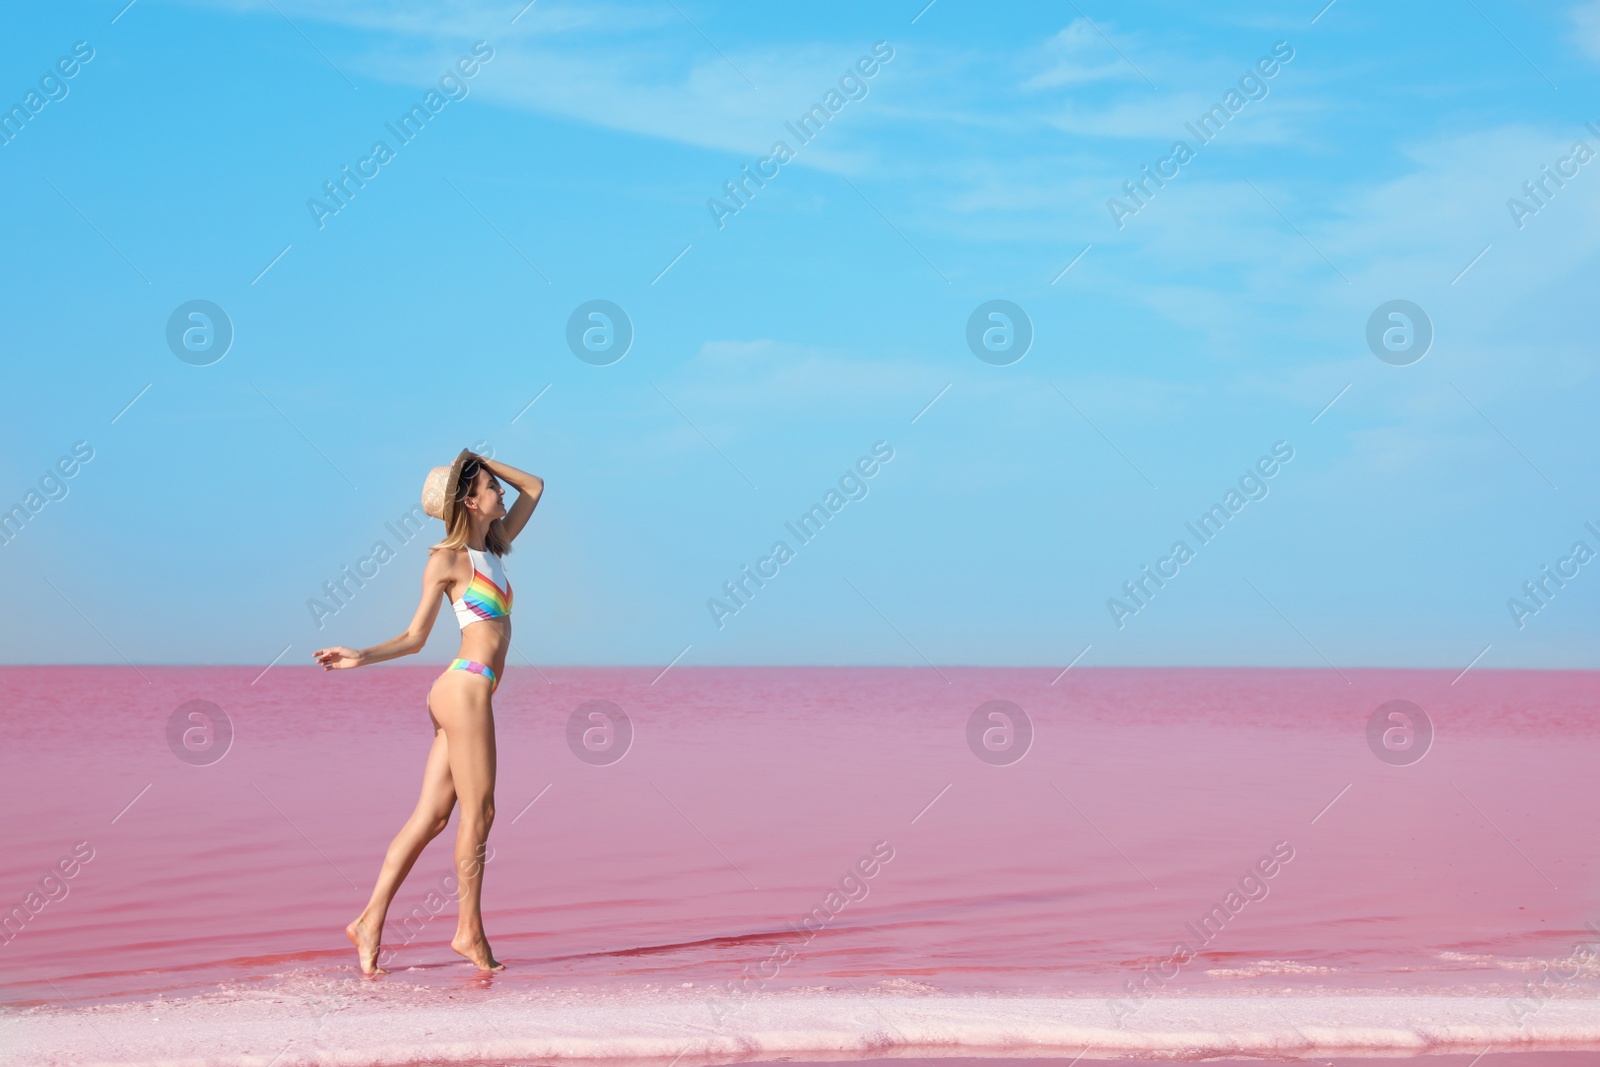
(774, 345)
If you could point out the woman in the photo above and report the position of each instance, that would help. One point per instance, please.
(466, 568)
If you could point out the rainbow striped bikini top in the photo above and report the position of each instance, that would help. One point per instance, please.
(488, 595)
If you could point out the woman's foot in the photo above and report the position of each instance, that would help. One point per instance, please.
(364, 936)
(476, 949)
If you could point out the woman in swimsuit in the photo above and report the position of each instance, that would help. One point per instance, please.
(466, 568)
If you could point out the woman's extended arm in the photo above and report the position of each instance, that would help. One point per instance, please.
(435, 584)
(530, 487)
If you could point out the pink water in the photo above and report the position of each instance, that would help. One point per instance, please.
(647, 884)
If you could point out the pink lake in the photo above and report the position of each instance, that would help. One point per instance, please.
(1438, 906)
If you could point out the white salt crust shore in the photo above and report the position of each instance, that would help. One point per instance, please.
(371, 1027)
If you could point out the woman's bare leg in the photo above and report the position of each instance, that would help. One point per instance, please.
(427, 821)
(461, 705)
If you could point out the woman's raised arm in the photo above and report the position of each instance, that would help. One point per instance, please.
(530, 487)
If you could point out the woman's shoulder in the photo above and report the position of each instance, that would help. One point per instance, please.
(446, 567)
(446, 560)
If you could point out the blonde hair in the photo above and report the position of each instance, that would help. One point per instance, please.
(455, 535)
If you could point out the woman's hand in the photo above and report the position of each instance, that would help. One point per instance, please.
(338, 658)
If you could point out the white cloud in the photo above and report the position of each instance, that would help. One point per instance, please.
(642, 70)
(1076, 55)
(703, 102)
(1262, 121)
(1586, 28)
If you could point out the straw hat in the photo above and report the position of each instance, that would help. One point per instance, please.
(439, 489)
